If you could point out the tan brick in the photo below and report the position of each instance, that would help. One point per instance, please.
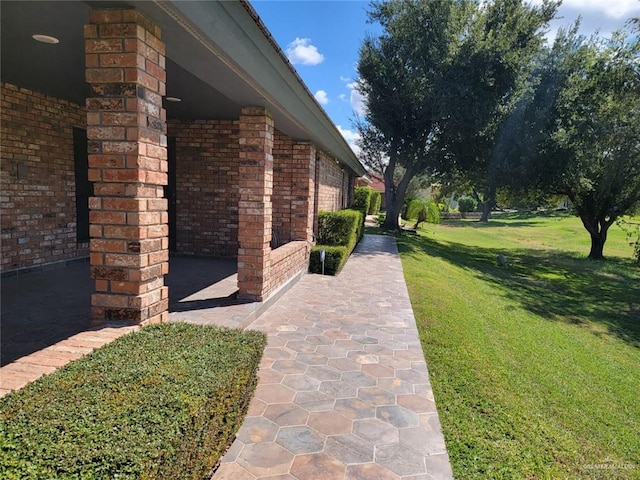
(101, 45)
(108, 218)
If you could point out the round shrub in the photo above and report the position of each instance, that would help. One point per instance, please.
(467, 204)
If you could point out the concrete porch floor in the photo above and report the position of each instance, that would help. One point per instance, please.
(40, 309)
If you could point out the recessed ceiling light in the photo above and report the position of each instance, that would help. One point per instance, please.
(45, 39)
(173, 99)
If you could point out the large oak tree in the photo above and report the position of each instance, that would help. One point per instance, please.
(438, 82)
(580, 134)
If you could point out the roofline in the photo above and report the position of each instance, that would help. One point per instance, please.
(355, 164)
(233, 32)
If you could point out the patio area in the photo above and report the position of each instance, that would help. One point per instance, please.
(40, 309)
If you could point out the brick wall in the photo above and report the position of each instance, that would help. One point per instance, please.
(332, 194)
(256, 135)
(288, 261)
(303, 191)
(283, 169)
(206, 186)
(37, 179)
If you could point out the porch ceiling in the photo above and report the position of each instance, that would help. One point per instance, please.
(219, 59)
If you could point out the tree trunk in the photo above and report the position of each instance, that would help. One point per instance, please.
(597, 228)
(395, 195)
(597, 246)
(391, 218)
(394, 207)
(487, 205)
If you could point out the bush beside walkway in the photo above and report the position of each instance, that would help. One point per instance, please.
(157, 403)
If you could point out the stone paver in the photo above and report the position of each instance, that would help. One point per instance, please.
(343, 385)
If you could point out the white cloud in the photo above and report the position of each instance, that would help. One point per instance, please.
(351, 137)
(356, 99)
(604, 16)
(614, 9)
(321, 97)
(302, 51)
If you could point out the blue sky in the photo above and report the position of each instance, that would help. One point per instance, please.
(322, 39)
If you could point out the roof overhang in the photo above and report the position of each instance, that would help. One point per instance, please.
(220, 58)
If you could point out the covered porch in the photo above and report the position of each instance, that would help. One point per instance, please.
(140, 128)
(40, 309)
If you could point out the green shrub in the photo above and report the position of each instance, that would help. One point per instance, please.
(344, 227)
(362, 199)
(338, 234)
(164, 402)
(423, 210)
(360, 226)
(444, 207)
(467, 204)
(335, 258)
(376, 201)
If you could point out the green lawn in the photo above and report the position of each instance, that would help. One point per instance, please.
(536, 366)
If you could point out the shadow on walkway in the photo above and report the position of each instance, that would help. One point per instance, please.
(39, 309)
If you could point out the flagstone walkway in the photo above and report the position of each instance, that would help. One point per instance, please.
(344, 390)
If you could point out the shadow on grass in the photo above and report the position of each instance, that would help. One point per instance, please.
(493, 223)
(515, 219)
(558, 286)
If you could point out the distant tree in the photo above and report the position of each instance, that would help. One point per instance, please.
(528, 199)
(632, 230)
(436, 82)
(581, 131)
(486, 80)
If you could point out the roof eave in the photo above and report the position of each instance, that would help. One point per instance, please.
(242, 40)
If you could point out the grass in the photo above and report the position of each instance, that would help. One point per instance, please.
(164, 402)
(535, 366)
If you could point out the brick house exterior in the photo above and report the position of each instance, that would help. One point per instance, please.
(97, 164)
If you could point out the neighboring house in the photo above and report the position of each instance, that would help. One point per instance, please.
(375, 182)
(154, 126)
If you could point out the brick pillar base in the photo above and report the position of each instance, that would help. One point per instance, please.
(128, 165)
(255, 209)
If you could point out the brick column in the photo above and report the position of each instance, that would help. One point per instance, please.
(303, 191)
(128, 165)
(255, 209)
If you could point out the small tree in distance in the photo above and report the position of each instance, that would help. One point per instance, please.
(423, 210)
(466, 204)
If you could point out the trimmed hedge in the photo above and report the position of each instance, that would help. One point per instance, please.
(376, 201)
(334, 260)
(362, 199)
(338, 234)
(340, 228)
(467, 204)
(164, 402)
